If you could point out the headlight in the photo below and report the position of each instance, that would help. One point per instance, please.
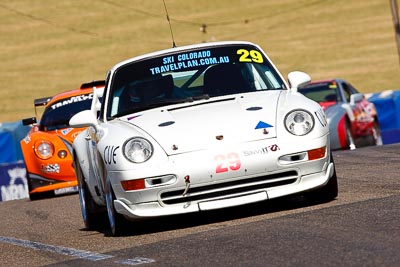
(299, 122)
(44, 149)
(138, 150)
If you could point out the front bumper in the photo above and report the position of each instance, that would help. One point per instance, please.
(40, 184)
(267, 171)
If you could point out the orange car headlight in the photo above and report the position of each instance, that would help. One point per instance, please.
(44, 149)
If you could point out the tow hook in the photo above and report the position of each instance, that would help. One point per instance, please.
(187, 181)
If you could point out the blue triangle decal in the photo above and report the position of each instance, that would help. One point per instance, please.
(262, 125)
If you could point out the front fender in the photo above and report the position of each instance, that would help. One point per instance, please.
(81, 157)
(80, 154)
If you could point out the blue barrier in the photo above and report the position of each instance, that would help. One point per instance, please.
(6, 147)
(11, 133)
(387, 104)
(13, 182)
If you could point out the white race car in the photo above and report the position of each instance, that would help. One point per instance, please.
(198, 128)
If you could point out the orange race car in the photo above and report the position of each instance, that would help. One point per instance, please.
(47, 146)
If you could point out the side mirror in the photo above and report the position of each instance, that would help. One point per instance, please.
(356, 98)
(29, 121)
(88, 118)
(96, 103)
(298, 78)
(84, 118)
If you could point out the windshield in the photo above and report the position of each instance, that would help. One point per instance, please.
(320, 92)
(190, 75)
(58, 114)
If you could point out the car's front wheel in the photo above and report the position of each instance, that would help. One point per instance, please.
(329, 191)
(91, 212)
(117, 221)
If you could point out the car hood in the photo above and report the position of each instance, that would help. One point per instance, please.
(209, 123)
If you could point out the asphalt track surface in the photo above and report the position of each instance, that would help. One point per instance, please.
(360, 228)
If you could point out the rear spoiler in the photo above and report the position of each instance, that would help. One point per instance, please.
(39, 102)
(92, 84)
(42, 101)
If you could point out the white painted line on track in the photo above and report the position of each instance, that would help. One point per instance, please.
(82, 254)
(136, 261)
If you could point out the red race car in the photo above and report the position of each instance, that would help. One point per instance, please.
(352, 118)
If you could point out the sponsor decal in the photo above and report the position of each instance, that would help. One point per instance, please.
(71, 100)
(274, 148)
(66, 131)
(110, 154)
(188, 60)
(17, 188)
(50, 168)
(66, 190)
(261, 151)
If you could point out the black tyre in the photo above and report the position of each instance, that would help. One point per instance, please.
(329, 191)
(117, 221)
(90, 210)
